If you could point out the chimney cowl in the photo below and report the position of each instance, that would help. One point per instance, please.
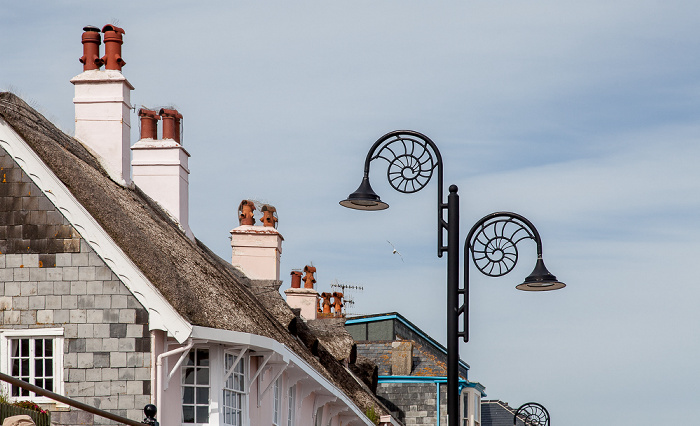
(91, 40)
(113, 47)
(149, 126)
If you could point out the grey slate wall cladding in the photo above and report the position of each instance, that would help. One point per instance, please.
(29, 223)
(498, 413)
(414, 403)
(107, 355)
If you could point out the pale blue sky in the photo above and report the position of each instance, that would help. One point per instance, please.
(582, 116)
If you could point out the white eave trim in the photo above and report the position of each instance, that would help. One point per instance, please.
(266, 343)
(162, 315)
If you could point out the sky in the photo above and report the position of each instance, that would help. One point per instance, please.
(583, 117)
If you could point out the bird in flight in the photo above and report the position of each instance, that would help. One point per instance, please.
(395, 251)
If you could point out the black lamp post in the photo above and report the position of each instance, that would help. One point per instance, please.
(412, 159)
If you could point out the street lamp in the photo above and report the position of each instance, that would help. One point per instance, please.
(413, 158)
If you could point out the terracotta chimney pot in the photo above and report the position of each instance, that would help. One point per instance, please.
(149, 123)
(269, 216)
(326, 302)
(296, 279)
(171, 124)
(91, 49)
(245, 209)
(309, 279)
(338, 303)
(113, 48)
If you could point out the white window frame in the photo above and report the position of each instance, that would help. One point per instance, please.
(276, 403)
(33, 333)
(292, 404)
(244, 393)
(465, 408)
(210, 367)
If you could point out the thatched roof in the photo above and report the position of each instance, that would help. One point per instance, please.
(206, 290)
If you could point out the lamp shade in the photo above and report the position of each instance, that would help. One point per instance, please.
(364, 198)
(540, 279)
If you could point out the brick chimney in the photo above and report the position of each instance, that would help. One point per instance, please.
(160, 167)
(256, 250)
(102, 102)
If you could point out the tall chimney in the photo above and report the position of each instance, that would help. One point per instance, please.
(102, 102)
(256, 250)
(160, 169)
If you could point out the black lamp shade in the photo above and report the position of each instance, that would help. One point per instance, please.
(364, 198)
(540, 279)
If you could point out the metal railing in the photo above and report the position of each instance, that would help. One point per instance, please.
(149, 409)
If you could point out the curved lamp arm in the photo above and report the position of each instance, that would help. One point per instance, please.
(413, 158)
(493, 245)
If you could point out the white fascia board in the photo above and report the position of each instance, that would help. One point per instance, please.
(161, 315)
(266, 343)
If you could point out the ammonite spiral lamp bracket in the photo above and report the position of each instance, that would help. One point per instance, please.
(532, 414)
(493, 244)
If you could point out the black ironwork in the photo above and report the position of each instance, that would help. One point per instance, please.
(150, 412)
(532, 414)
(493, 244)
(68, 401)
(413, 158)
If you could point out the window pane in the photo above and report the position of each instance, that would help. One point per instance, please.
(49, 385)
(187, 414)
(187, 395)
(48, 347)
(15, 367)
(202, 414)
(24, 368)
(188, 376)
(203, 357)
(190, 358)
(202, 395)
(39, 347)
(24, 351)
(38, 368)
(202, 376)
(49, 367)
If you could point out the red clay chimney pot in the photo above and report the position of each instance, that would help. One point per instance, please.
(296, 279)
(113, 47)
(91, 40)
(171, 124)
(149, 123)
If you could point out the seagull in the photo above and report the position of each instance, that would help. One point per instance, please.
(395, 251)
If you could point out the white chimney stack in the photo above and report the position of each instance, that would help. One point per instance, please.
(102, 102)
(160, 167)
(256, 250)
